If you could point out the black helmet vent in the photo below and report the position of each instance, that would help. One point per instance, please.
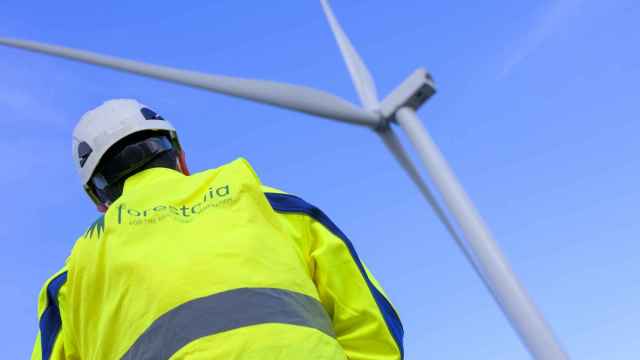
(150, 114)
(84, 150)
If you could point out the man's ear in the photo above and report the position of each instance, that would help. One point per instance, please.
(182, 163)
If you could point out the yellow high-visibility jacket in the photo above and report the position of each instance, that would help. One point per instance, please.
(214, 266)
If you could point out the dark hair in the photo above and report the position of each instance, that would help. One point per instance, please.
(167, 159)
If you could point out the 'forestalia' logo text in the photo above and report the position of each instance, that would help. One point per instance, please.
(132, 215)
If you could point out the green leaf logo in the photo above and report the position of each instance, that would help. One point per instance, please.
(97, 227)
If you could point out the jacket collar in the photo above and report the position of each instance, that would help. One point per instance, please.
(148, 176)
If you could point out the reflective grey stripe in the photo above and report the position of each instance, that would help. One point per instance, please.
(223, 312)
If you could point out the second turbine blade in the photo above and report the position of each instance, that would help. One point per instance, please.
(393, 144)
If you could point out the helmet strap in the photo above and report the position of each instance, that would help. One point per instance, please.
(182, 162)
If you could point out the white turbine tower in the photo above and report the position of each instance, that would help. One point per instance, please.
(399, 107)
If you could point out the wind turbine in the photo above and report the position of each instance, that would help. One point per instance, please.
(398, 108)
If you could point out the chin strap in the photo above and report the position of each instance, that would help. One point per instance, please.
(182, 162)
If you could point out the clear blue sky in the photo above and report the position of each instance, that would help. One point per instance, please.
(538, 112)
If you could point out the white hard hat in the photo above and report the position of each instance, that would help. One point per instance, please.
(102, 127)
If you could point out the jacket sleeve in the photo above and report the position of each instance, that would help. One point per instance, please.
(366, 324)
(49, 344)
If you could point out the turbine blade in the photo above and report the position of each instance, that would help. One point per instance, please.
(392, 142)
(360, 75)
(293, 97)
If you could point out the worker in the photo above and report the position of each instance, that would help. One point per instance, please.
(212, 265)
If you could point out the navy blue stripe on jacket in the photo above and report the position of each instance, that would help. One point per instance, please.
(50, 321)
(293, 204)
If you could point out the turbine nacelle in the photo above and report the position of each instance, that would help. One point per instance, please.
(413, 93)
